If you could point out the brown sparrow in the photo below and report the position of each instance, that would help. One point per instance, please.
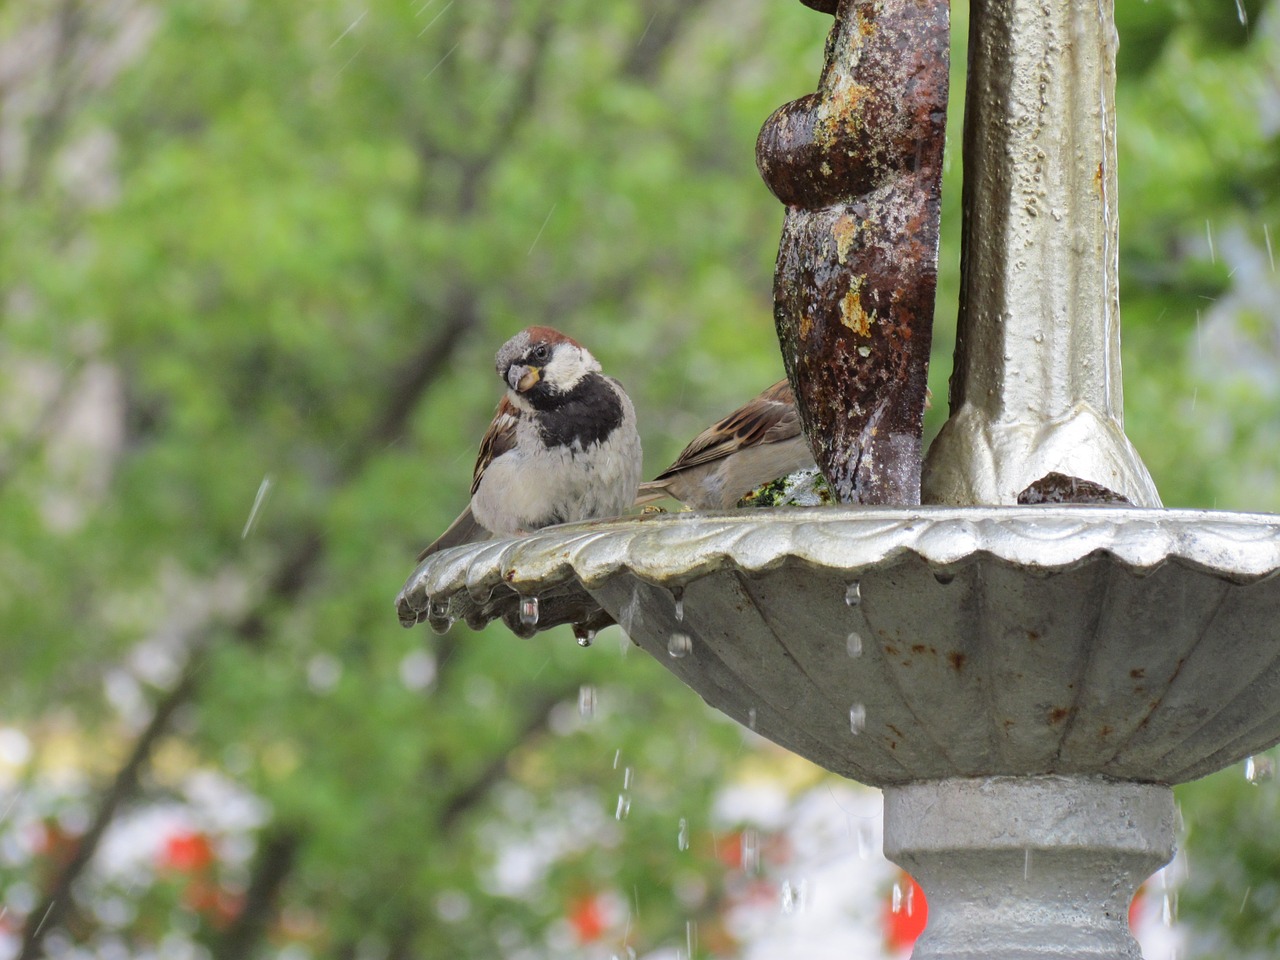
(562, 447)
(754, 445)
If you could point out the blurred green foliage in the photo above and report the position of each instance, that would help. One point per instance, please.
(269, 250)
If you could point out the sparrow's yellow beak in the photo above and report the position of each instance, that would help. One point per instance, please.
(521, 378)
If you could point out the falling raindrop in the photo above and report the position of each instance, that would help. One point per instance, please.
(529, 611)
(691, 937)
(1271, 257)
(896, 904)
(750, 851)
(623, 808)
(1259, 769)
(853, 594)
(864, 845)
(1169, 909)
(679, 645)
(911, 899)
(617, 755)
(626, 779)
(264, 488)
(586, 701)
(1208, 232)
(1026, 864)
(682, 836)
(751, 718)
(1242, 13)
(677, 593)
(857, 718)
(788, 897)
(853, 644)
(1245, 899)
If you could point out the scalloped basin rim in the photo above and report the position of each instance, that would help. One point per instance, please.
(672, 549)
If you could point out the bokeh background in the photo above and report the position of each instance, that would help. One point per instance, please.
(255, 259)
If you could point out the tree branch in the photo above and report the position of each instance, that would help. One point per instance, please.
(277, 854)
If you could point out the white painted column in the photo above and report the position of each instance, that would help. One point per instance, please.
(1029, 868)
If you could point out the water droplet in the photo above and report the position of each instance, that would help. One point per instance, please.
(794, 896)
(896, 903)
(1259, 769)
(529, 611)
(586, 701)
(677, 593)
(682, 837)
(441, 626)
(438, 609)
(864, 845)
(584, 634)
(857, 718)
(623, 808)
(943, 577)
(1242, 13)
(751, 718)
(750, 851)
(1169, 909)
(617, 755)
(853, 594)
(679, 645)
(853, 644)
(626, 779)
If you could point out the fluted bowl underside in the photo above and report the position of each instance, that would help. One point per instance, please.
(891, 645)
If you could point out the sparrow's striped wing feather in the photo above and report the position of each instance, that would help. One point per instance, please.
(498, 439)
(770, 418)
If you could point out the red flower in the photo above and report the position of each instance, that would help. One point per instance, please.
(587, 917)
(187, 852)
(905, 923)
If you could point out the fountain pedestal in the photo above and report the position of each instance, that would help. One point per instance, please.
(1028, 868)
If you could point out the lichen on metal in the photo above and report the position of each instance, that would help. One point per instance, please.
(859, 165)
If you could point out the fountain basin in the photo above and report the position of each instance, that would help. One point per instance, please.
(927, 643)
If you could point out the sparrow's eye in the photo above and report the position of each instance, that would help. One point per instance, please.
(541, 352)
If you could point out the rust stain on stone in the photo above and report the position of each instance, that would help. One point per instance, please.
(1058, 714)
(956, 659)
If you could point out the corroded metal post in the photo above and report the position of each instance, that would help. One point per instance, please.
(1036, 385)
(859, 166)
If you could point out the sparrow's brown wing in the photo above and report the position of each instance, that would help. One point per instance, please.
(769, 418)
(497, 440)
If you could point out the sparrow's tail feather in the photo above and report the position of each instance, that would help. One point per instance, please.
(465, 529)
(651, 492)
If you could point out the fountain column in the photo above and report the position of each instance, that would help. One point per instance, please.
(1028, 868)
(1036, 385)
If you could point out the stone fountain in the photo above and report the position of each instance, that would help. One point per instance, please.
(1024, 682)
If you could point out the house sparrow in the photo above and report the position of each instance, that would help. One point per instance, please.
(754, 445)
(562, 447)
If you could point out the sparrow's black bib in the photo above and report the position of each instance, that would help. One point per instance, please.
(586, 415)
